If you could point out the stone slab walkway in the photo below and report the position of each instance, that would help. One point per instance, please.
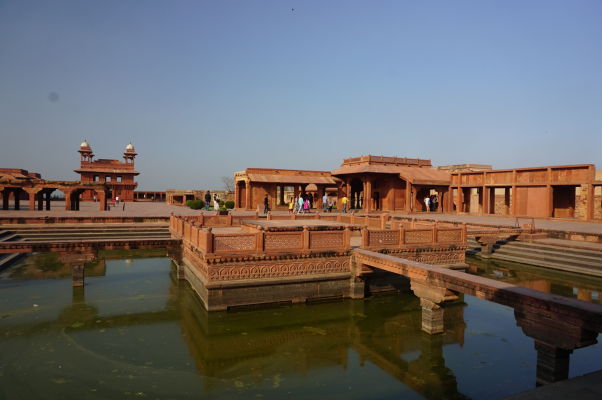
(547, 224)
(571, 243)
(585, 387)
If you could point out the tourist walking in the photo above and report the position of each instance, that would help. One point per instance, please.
(325, 202)
(344, 201)
(427, 203)
(215, 202)
(291, 206)
(300, 203)
(306, 206)
(266, 202)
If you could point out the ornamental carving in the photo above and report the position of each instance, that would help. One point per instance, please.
(384, 237)
(234, 243)
(327, 240)
(280, 269)
(425, 236)
(449, 236)
(283, 240)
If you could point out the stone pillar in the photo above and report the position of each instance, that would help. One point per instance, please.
(408, 195)
(555, 339)
(17, 197)
(549, 201)
(67, 199)
(78, 275)
(460, 206)
(486, 201)
(5, 197)
(40, 200)
(368, 196)
(248, 194)
(589, 213)
(514, 200)
(31, 197)
(48, 197)
(282, 202)
(102, 200)
(432, 298)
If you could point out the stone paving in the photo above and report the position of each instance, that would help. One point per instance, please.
(90, 209)
(550, 224)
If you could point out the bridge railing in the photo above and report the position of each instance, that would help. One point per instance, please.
(407, 237)
(303, 240)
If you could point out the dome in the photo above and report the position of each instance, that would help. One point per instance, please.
(129, 147)
(84, 144)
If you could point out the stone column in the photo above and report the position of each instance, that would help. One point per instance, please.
(78, 275)
(460, 206)
(555, 339)
(102, 200)
(48, 195)
(5, 196)
(248, 194)
(549, 201)
(67, 199)
(486, 199)
(408, 197)
(368, 196)
(432, 298)
(31, 197)
(589, 213)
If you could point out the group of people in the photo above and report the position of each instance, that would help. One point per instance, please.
(304, 203)
(208, 201)
(431, 202)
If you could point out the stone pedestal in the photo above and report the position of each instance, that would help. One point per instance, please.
(552, 363)
(78, 275)
(555, 339)
(432, 298)
(432, 317)
(357, 288)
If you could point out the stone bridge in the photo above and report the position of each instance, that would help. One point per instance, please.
(557, 324)
(76, 253)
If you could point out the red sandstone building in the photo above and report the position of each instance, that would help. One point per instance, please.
(116, 175)
(393, 184)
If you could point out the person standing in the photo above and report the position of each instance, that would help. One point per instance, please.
(427, 203)
(435, 202)
(300, 202)
(215, 202)
(325, 202)
(344, 201)
(207, 199)
(266, 203)
(291, 206)
(306, 206)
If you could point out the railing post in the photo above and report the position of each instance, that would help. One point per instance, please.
(435, 234)
(365, 237)
(402, 236)
(209, 240)
(306, 242)
(230, 219)
(464, 232)
(347, 238)
(202, 219)
(260, 240)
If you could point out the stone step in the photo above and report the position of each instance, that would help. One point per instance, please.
(91, 229)
(102, 235)
(557, 252)
(592, 271)
(554, 248)
(7, 259)
(11, 237)
(553, 258)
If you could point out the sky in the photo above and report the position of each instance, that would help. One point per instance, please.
(206, 88)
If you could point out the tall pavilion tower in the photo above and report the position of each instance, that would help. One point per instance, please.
(117, 175)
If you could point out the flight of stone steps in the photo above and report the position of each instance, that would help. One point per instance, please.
(77, 232)
(545, 255)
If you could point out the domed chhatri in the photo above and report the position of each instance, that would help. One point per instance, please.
(118, 176)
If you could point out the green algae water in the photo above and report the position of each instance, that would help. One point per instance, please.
(136, 332)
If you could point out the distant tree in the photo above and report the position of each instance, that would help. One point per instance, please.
(228, 183)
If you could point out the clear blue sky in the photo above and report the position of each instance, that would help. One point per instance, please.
(206, 88)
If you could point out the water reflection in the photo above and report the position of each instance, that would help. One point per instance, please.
(138, 332)
(546, 280)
